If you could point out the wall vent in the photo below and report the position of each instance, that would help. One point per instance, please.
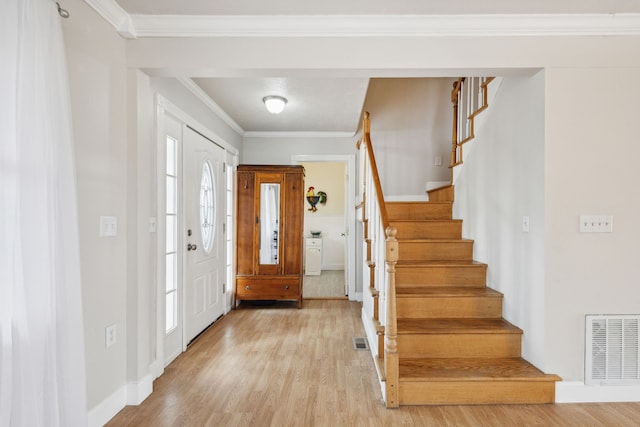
(612, 353)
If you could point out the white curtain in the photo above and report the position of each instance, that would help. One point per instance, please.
(42, 370)
(269, 213)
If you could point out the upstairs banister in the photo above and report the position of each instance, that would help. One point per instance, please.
(469, 97)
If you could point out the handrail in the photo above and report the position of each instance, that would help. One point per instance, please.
(469, 97)
(366, 137)
(382, 245)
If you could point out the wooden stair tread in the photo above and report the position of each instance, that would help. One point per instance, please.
(406, 220)
(446, 291)
(456, 326)
(433, 240)
(443, 263)
(446, 369)
(417, 202)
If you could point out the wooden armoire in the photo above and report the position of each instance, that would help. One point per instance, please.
(269, 221)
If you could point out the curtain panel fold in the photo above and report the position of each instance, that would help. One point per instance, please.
(42, 367)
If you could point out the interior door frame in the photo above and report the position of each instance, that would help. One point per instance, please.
(164, 106)
(350, 212)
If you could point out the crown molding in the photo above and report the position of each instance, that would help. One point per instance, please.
(386, 25)
(138, 26)
(210, 103)
(318, 134)
(114, 15)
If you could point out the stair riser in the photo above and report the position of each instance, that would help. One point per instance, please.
(476, 392)
(449, 307)
(472, 276)
(458, 345)
(428, 230)
(435, 251)
(418, 211)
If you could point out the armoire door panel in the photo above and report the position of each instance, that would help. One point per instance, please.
(293, 223)
(245, 222)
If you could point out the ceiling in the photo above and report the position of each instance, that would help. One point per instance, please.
(373, 7)
(313, 104)
(325, 105)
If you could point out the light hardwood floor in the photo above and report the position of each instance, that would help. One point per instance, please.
(281, 366)
(328, 285)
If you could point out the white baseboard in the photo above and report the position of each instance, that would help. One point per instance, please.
(332, 267)
(138, 391)
(370, 332)
(578, 392)
(100, 414)
(356, 297)
(156, 368)
(133, 393)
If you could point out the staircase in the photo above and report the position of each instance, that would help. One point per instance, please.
(453, 345)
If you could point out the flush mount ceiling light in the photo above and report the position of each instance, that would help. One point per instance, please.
(274, 103)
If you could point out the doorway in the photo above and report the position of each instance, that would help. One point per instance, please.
(336, 223)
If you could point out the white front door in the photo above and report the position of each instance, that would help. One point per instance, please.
(204, 211)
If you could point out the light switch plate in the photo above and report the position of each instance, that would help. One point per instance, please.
(596, 223)
(108, 226)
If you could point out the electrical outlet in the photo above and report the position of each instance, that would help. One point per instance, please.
(596, 223)
(525, 224)
(438, 161)
(152, 224)
(110, 335)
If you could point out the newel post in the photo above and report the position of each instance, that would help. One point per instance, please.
(391, 359)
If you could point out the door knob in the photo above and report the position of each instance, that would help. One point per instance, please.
(191, 247)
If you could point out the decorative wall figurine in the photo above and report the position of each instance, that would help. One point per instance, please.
(314, 198)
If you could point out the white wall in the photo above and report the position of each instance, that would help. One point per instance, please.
(98, 79)
(278, 151)
(114, 131)
(410, 126)
(501, 181)
(591, 166)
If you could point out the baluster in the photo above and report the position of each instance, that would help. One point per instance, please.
(391, 357)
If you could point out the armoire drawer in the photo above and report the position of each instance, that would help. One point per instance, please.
(267, 288)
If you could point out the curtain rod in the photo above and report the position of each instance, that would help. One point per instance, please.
(62, 12)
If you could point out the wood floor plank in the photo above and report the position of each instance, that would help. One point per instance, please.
(280, 366)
